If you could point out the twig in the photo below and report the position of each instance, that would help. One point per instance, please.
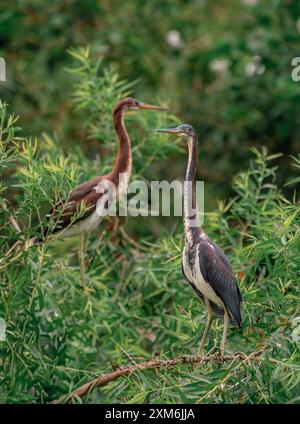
(11, 219)
(153, 364)
(130, 239)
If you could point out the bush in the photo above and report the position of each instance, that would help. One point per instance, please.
(57, 338)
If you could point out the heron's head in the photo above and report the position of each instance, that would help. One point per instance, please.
(129, 103)
(183, 130)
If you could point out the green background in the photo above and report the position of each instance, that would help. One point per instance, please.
(229, 75)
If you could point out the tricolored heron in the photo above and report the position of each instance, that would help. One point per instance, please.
(66, 219)
(204, 264)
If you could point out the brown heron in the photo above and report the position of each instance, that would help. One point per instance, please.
(204, 264)
(79, 215)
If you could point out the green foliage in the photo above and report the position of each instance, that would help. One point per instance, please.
(230, 78)
(97, 91)
(57, 337)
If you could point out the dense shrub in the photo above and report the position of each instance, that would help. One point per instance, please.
(140, 306)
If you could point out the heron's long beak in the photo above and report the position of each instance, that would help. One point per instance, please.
(147, 106)
(169, 130)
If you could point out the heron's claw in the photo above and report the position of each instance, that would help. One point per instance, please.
(219, 355)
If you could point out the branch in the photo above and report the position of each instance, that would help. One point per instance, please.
(154, 364)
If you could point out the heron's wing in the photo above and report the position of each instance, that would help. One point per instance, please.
(79, 192)
(81, 203)
(217, 271)
(215, 308)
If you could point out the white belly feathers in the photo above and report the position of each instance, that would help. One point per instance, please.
(91, 223)
(194, 275)
(86, 225)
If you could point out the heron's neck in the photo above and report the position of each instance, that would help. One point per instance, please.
(124, 157)
(191, 223)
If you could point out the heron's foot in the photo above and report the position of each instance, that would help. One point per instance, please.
(222, 351)
(200, 352)
(219, 355)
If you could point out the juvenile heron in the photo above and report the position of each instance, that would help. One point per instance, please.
(204, 264)
(78, 215)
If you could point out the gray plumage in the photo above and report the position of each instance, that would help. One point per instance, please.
(217, 272)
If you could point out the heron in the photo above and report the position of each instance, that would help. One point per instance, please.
(78, 215)
(204, 264)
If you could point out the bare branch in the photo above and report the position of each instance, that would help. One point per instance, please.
(154, 364)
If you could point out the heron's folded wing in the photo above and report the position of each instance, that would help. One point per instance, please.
(83, 189)
(81, 203)
(217, 271)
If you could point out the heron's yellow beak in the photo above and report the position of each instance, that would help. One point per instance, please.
(153, 107)
(169, 130)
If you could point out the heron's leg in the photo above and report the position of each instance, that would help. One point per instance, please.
(207, 327)
(224, 337)
(81, 261)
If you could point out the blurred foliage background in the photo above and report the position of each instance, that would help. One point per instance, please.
(224, 67)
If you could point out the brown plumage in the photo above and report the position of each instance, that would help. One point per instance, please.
(67, 216)
(78, 214)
